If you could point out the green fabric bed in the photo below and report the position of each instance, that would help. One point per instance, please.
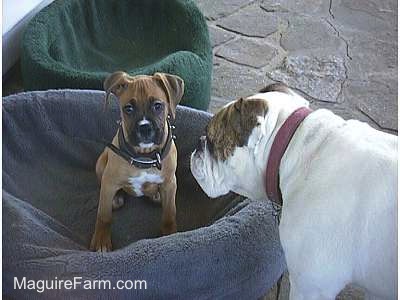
(77, 43)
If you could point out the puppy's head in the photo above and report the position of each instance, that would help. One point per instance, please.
(145, 103)
(226, 157)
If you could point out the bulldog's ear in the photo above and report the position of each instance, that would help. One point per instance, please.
(174, 87)
(115, 83)
(245, 117)
(251, 107)
(276, 87)
(238, 104)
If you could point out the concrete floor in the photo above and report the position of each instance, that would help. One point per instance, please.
(339, 54)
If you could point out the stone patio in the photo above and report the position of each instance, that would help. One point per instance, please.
(339, 54)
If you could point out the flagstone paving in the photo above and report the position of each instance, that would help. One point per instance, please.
(339, 54)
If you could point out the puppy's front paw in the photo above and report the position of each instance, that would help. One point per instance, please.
(101, 241)
(168, 228)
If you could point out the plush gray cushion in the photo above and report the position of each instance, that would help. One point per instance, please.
(226, 248)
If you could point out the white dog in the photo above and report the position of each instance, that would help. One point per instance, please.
(338, 181)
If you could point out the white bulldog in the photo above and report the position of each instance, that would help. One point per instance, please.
(338, 181)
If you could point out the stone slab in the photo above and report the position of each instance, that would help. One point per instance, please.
(307, 7)
(253, 53)
(231, 81)
(369, 55)
(252, 21)
(215, 9)
(312, 35)
(219, 36)
(319, 77)
(376, 98)
(373, 17)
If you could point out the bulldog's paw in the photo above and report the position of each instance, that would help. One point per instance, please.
(168, 228)
(101, 241)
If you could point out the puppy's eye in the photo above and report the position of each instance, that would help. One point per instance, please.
(128, 109)
(157, 106)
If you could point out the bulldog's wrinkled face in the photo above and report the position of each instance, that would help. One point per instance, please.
(228, 131)
(145, 103)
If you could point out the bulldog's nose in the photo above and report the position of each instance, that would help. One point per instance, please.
(145, 132)
(201, 144)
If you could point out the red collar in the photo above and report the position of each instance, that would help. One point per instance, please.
(278, 148)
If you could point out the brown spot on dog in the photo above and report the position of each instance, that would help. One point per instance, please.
(276, 87)
(232, 126)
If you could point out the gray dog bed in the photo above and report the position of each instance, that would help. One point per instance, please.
(226, 248)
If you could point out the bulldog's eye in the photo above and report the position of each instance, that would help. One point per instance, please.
(128, 109)
(157, 106)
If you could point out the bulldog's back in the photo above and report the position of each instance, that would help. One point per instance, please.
(347, 172)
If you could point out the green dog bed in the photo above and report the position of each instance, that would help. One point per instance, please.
(77, 43)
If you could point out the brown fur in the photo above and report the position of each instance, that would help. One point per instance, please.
(113, 171)
(232, 126)
(276, 87)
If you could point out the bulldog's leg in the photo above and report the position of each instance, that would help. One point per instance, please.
(299, 294)
(101, 240)
(311, 271)
(167, 194)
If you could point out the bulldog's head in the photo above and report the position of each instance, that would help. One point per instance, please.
(145, 103)
(231, 155)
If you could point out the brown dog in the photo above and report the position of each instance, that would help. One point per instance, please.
(142, 158)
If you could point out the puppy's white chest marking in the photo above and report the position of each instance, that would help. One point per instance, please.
(138, 181)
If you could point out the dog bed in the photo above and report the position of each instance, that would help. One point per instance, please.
(226, 248)
(77, 43)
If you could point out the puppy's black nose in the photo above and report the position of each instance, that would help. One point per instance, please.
(201, 144)
(145, 132)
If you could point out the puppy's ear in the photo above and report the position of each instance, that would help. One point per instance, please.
(115, 83)
(174, 87)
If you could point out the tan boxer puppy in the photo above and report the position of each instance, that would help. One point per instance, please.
(142, 158)
(337, 181)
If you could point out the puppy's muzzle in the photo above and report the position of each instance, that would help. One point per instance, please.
(145, 132)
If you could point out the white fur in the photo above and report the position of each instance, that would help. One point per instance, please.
(339, 184)
(138, 181)
(144, 121)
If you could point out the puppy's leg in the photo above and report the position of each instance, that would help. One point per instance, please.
(167, 194)
(101, 165)
(101, 240)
